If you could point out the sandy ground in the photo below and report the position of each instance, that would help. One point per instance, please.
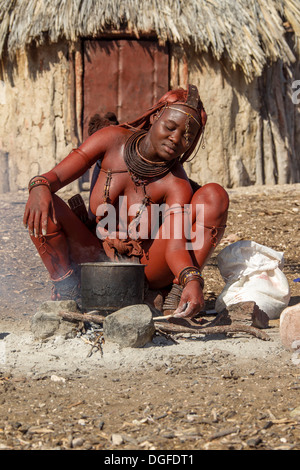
(215, 392)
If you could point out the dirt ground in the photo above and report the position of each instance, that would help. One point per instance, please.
(233, 392)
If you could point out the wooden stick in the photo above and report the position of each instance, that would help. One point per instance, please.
(221, 329)
(73, 316)
(163, 317)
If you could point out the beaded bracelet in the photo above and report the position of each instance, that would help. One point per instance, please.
(190, 274)
(38, 181)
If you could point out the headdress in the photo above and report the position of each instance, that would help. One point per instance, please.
(189, 98)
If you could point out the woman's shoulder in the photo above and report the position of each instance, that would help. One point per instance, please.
(115, 130)
(114, 135)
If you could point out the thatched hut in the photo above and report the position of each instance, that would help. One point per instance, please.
(61, 61)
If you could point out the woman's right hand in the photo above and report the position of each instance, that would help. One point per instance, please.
(191, 301)
(38, 208)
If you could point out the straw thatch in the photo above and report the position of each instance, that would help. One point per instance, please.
(250, 32)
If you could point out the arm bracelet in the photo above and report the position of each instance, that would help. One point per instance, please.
(190, 274)
(38, 181)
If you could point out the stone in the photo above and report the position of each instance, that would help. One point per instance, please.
(77, 442)
(289, 327)
(254, 442)
(295, 413)
(56, 378)
(247, 313)
(46, 322)
(116, 439)
(59, 305)
(131, 326)
(155, 299)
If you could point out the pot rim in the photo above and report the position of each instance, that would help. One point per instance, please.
(112, 264)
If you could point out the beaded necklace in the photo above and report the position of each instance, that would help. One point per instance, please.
(140, 169)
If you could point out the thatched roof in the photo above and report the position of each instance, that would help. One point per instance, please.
(249, 32)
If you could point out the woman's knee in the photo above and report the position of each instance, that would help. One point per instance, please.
(214, 196)
(60, 206)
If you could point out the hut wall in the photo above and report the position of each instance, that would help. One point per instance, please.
(35, 120)
(252, 132)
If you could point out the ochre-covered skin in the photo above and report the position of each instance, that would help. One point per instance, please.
(69, 241)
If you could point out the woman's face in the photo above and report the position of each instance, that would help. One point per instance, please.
(172, 133)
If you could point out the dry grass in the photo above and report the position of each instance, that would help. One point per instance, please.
(250, 32)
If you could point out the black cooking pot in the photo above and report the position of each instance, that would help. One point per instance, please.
(109, 286)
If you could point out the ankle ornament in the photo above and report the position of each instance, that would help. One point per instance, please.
(67, 287)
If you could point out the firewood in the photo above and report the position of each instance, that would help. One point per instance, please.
(82, 317)
(220, 329)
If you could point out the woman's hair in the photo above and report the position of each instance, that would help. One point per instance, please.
(98, 122)
(190, 98)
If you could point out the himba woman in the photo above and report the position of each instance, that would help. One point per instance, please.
(143, 162)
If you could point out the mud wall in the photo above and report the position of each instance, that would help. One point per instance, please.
(35, 122)
(252, 134)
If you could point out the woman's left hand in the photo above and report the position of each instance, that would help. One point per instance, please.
(191, 302)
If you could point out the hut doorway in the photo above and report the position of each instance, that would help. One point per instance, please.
(123, 76)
